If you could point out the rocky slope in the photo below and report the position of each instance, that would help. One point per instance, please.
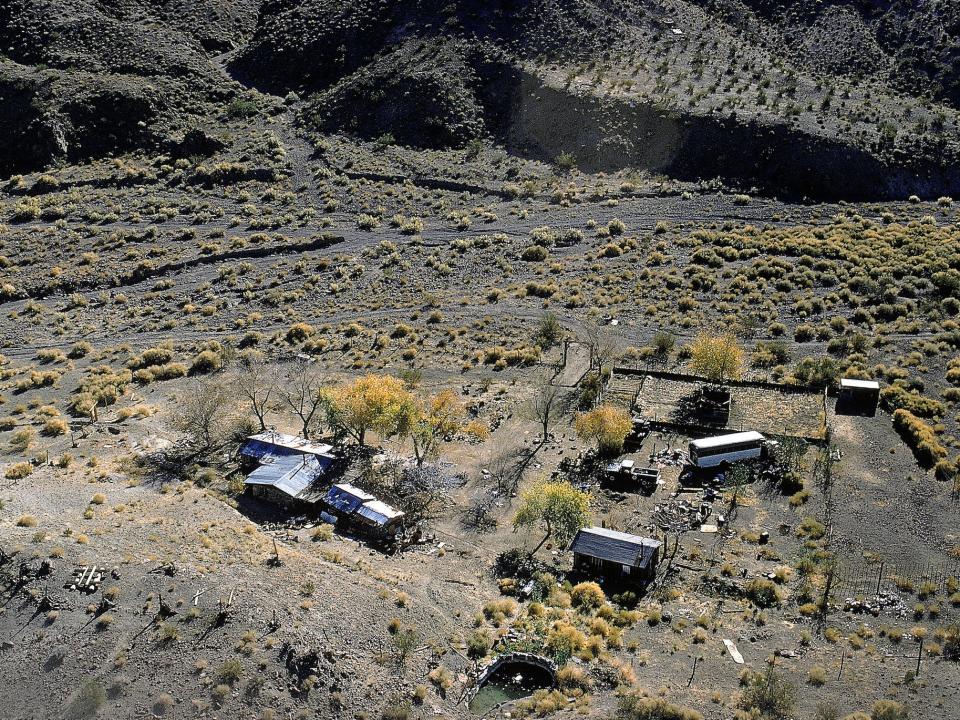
(824, 99)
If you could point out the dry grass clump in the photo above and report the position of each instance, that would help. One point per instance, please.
(587, 595)
(18, 471)
(441, 677)
(55, 426)
(322, 532)
(639, 706)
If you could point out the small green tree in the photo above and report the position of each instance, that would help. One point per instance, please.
(405, 640)
(565, 162)
(558, 508)
(549, 331)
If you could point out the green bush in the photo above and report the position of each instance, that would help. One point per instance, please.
(87, 702)
(478, 644)
(762, 592)
(770, 695)
(534, 253)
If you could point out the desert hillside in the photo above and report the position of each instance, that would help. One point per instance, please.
(518, 359)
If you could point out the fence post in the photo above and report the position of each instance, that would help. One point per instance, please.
(879, 578)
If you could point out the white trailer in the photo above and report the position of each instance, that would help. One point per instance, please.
(713, 451)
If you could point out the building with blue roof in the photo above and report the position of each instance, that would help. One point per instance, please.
(287, 470)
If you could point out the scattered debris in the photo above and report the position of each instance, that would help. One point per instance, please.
(734, 653)
(86, 579)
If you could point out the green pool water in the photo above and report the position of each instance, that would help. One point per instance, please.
(511, 682)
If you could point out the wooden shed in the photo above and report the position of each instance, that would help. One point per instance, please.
(615, 555)
(859, 397)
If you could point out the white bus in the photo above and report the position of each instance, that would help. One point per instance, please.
(713, 451)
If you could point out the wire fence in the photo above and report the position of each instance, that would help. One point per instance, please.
(871, 578)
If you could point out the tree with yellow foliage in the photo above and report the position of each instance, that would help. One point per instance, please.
(558, 508)
(380, 403)
(606, 425)
(439, 417)
(717, 357)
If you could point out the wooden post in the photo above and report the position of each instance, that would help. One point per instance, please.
(879, 578)
(843, 655)
(919, 658)
(694, 671)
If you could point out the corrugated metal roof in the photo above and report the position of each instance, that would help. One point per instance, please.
(614, 546)
(276, 443)
(378, 512)
(717, 440)
(292, 475)
(346, 498)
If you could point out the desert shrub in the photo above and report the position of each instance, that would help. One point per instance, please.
(640, 707)
(18, 471)
(572, 677)
(817, 372)
(150, 357)
(769, 694)
(762, 592)
(951, 643)
(298, 332)
(55, 426)
(587, 595)
(230, 671)
(897, 396)
(499, 609)
(397, 710)
(22, 439)
(616, 227)
(564, 640)
(479, 644)
(817, 676)
(101, 386)
(79, 350)
(205, 361)
(241, 108)
(534, 253)
(919, 436)
(549, 331)
(441, 677)
(322, 532)
(889, 710)
(87, 702)
(367, 222)
(543, 236)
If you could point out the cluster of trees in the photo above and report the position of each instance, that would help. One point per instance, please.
(380, 404)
